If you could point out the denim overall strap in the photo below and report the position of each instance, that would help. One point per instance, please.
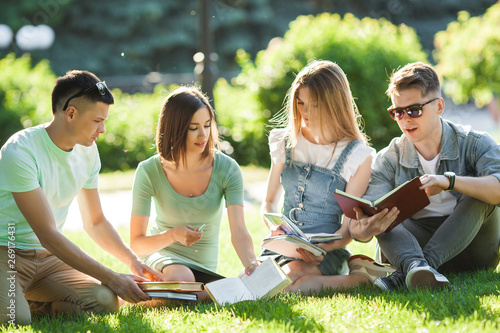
(310, 204)
(343, 157)
(309, 200)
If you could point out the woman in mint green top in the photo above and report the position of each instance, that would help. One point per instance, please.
(188, 180)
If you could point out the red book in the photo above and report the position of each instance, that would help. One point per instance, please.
(407, 197)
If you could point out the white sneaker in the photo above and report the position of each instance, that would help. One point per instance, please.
(422, 276)
(366, 266)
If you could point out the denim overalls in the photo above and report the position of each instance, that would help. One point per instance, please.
(310, 204)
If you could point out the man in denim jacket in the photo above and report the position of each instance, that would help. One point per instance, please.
(460, 171)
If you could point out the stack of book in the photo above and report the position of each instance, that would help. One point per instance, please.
(185, 291)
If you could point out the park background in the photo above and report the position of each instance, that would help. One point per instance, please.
(244, 54)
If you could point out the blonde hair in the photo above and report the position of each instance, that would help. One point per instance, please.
(337, 110)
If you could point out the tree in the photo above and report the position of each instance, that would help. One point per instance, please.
(367, 50)
(468, 56)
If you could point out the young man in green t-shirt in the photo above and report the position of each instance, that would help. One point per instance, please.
(43, 169)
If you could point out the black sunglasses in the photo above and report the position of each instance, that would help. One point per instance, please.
(414, 111)
(100, 86)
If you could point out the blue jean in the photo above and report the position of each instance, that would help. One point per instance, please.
(467, 239)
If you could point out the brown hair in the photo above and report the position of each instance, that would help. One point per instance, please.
(173, 124)
(74, 81)
(338, 111)
(415, 75)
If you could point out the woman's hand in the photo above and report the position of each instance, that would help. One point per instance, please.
(251, 267)
(186, 234)
(140, 269)
(309, 257)
(277, 230)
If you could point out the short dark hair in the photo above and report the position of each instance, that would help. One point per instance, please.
(73, 82)
(173, 124)
(415, 75)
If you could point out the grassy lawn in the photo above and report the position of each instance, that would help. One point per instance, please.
(470, 304)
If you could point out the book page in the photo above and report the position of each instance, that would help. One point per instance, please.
(229, 290)
(279, 220)
(266, 277)
(287, 245)
(368, 202)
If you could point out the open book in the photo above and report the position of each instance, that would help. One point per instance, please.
(407, 197)
(294, 238)
(291, 229)
(267, 280)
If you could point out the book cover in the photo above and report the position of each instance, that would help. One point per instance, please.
(407, 197)
(291, 229)
(171, 295)
(171, 286)
(287, 245)
(267, 280)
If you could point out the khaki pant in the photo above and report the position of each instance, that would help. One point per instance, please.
(43, 282)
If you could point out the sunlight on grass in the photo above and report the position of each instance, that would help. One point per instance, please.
(471, 304)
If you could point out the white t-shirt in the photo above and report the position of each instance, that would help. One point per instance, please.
(319, 155)
(442, 204)
(28, 160)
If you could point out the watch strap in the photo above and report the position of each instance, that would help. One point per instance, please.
(451, 178)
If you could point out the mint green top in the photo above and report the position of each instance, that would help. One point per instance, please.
(28, 160)
(174, 210)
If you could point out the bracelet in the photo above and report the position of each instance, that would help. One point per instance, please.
(357, 240)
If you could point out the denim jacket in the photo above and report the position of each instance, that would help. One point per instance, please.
(463, 151)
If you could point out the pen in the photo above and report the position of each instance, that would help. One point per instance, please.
(200, 229)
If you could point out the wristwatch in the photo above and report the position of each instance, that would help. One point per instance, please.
(451, 177)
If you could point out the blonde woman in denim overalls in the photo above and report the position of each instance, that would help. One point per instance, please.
(320, 148)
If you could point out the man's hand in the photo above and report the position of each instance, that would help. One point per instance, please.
(433, 184)
(365, 227)
(186, 235)
(125, 286)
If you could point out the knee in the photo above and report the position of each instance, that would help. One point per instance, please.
(107, 300)
(294, 270)
(177, 273)
(101, 299)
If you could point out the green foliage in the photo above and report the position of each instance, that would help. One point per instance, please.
(468, 55)
(25, 100)
(24, 94)
(130, 129)
(368, 50)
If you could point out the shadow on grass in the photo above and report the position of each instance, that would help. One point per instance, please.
(462, 299)
(472, 298)
(128, 319)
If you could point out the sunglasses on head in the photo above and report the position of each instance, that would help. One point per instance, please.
(413, 111)
(100, 86)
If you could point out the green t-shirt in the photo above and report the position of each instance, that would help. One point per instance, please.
(28, 160)
(174, 210)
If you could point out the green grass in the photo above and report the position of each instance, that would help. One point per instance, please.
(471, 304)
